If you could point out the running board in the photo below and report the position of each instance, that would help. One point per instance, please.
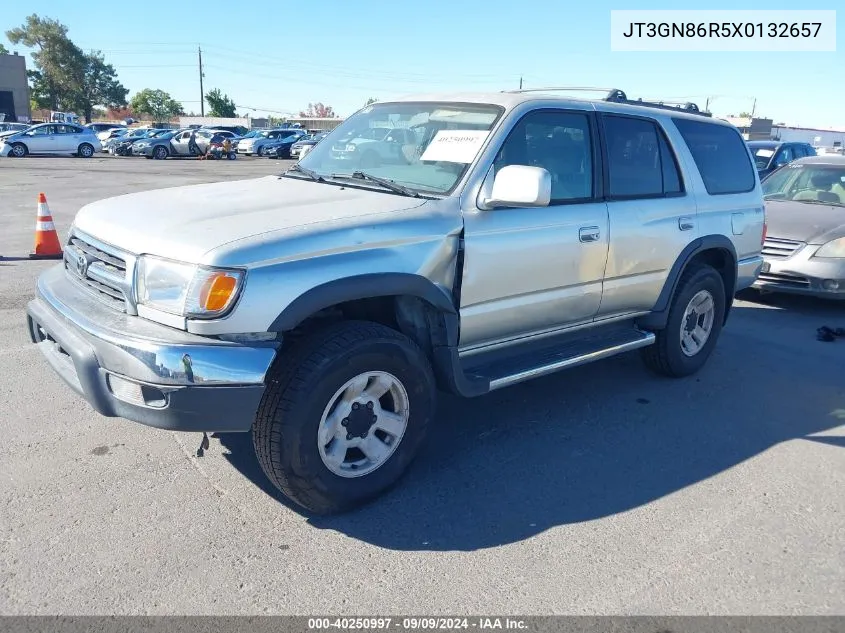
(522, 367)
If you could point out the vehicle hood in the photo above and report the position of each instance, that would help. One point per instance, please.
(187, 223)
(810, 223)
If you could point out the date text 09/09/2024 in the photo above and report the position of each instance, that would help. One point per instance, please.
(416, 624)
(722, 29)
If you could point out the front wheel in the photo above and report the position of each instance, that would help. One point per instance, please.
(695, 321)
(260, 151)
(343, 415)
(160, 152)
(19, 150)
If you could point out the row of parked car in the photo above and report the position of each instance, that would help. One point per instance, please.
(20, 140)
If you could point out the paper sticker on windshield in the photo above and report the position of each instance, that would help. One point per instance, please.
(765, 153)
(455, 146)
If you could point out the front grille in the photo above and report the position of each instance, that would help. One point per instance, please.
(103, 272)
(777, 248)
(784, 279)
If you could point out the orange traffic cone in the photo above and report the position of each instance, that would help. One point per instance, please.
(47, 244)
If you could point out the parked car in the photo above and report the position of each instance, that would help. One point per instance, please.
(281, 148)
(51, 138)
(175, 143)
(120, 136)
(804, 251)
(770, 155)
(821, 151)
(123, 146)
(250, 134)
(236, 130)
(299, 148)
(9, 128)
(324, 309)
(257, 143)
(99, 128)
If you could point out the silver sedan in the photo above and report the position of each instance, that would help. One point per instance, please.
(804, 249)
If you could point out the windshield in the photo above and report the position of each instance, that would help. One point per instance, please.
(762, 156)
(807, 182)
(425, 147)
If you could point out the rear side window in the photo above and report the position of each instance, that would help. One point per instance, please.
(639, 160)
(720, 154)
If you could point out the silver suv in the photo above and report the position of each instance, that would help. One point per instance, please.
(509, 236)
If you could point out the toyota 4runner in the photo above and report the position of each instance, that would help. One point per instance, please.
(505, 236)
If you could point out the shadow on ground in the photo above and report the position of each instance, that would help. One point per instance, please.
(595, 441)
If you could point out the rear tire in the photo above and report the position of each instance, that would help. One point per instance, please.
(296, 433)
(684, 345)
(86, 150)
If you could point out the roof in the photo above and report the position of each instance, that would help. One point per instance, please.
(824, 159)
(510, 100)
(765, 143)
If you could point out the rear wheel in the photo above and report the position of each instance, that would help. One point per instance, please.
(344, 415)
(86, 150)
(695, 322)
(260, 151)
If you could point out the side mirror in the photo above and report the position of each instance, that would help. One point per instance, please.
(520, 186)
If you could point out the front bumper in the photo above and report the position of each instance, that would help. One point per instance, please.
(128, 367)
(801, 274)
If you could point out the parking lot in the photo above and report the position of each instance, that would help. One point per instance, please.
(599, 490)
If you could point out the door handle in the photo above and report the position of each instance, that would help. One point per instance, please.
(589, 234)
(685, 224)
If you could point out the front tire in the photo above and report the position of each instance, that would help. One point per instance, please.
(695, 321)
(19, 150)
(160, 152)
(343, 416)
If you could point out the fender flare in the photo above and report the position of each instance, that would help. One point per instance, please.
(361, 287)
(660, 313)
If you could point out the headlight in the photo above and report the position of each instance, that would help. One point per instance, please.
(834, 248)
(186, 289)
(142, 144)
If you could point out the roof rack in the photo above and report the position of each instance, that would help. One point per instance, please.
(615, 95)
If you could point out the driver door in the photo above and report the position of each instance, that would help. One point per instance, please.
(530, 270)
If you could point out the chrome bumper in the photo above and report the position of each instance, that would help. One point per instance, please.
(747, 271)
(126, 366)
(802, 274)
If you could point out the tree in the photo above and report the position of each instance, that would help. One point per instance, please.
(318, 111)
(221, 105)
(3, 50)
(100, 86)
(157, 104)
(744, 115)
(371, 100)
(58, 77)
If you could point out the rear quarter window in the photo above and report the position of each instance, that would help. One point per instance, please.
(721, 156)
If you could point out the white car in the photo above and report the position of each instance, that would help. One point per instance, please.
(374, 146)
(257, 143)
(52, 138)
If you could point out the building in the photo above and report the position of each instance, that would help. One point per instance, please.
(814, 136)
(14, 89)
(752, 129)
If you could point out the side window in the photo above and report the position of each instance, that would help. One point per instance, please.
(639, 160)
(558, 141)
(720, 154)
(784, 156)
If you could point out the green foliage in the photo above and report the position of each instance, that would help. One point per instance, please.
(371, 100)
(64, 77)
(157, 104)
(221, 105)
(3, 50)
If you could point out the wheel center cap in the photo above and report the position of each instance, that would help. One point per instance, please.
(691, 322)
(360, 420)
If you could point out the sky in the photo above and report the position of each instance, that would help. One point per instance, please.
(276, 57)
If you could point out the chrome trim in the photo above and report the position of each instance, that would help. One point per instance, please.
(110, 270)
(481, 348)
(779, 248)
(144, 351)
(647, 339)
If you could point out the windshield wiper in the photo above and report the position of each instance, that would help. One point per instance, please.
(384, 182)
(313, 175)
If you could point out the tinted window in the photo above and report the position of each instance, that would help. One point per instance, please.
(640, 163)
(559, 142)
(784, 156)
(720, 154)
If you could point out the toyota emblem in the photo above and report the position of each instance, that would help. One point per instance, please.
(81, 265)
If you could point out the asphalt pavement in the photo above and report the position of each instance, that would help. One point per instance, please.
(601, 490)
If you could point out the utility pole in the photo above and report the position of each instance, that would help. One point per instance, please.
(520, 82)
(202, 94)
(754, 108)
